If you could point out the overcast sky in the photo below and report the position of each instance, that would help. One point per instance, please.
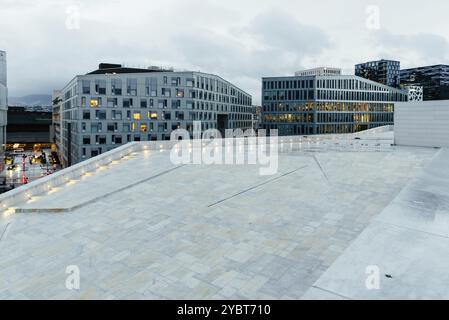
(50, 41)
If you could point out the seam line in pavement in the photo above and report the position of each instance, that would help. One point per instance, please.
(392, 224)
(5, 232)
(255, 187)
(321, 168)
(332, 292)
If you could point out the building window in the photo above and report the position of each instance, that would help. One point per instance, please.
(112, 127)
(116, 115)
(143, 103)
(166, 115)
(179, 115)
(166, 92)
(117, 139)
(176, 104)
(143, 127)
(86, 86)
(179, 93)
(112, 102)
(116, 87)
(152, 115)
(136, 116)
(94, 153)
(96, 127)
(86, 115)
(131, 87)
(100, 139)
(95, 102)
(127, 103)
(100, 86)
(100, 114)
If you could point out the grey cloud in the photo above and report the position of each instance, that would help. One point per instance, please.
(273, 43)
(425, 47)
(281, 30)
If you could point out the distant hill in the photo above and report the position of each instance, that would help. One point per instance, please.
(31, 100)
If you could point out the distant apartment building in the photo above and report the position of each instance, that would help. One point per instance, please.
(433, 79)
(386, 72)
(257, 117)
(115, 105)
(55, 131)
(326, 104)
(3, 106)
(322, 71)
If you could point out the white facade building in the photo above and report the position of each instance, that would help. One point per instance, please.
(115, 105)
(424, 124)
(322, 71)
(3, 105)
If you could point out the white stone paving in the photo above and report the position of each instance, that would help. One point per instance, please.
(409, 241)
(173, 236)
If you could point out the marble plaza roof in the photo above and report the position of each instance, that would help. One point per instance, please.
(139, 227)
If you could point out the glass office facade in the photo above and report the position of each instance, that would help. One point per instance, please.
(327, 104)
(433, 79)
(386, 72)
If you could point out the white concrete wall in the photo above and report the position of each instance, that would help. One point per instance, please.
(424, 124)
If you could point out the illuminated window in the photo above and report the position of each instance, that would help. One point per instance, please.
(94, 103)
(152, 115)
(143, 128)
(180, 93)
(136, 116)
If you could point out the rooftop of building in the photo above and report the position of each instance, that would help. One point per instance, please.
(377, 61)
(138, 226)
(110, 68)
(426, 67)
(332, 77)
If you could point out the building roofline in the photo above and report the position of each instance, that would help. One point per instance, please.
(340, 77)
(424, 67)
(172, 72)
(380, 60)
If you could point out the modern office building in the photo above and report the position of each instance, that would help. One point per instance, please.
(322, 71)
(3, 106)
(433, 79)
(327, 104)
(386, 72)
(27, 126)
(115, 105)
